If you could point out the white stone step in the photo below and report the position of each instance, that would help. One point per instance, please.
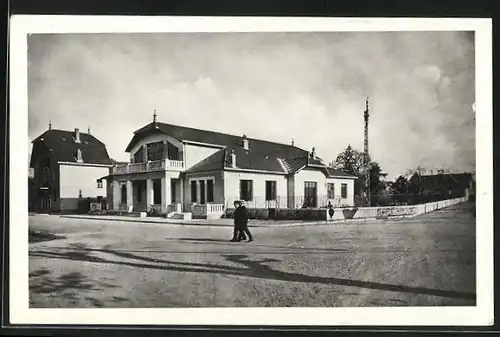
(179, 216)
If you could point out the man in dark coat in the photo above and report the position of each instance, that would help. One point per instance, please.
(241, 223)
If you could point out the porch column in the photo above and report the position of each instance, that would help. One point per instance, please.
(149, 192)
(116, 195)
(145, 153)
(165, 193)
(206, 190)
(198, 192)
(130, 194)
(181, 182)
(165, 149)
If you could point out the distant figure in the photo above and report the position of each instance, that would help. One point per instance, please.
(240, 223)
(331, 211)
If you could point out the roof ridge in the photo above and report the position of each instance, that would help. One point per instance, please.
(286, 167)
(223, 133)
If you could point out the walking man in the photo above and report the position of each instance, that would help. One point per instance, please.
(241, 223)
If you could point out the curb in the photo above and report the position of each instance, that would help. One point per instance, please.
(299, 224)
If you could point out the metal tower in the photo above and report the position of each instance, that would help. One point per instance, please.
(367, 156)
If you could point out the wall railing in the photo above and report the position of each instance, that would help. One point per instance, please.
(157, 165)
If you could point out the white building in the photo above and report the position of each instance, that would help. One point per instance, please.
(179, 169)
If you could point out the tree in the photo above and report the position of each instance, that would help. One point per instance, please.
(376, 175)
(349, 161)
(442, 171)
(400, 185)
(419, 170)
(352, 161)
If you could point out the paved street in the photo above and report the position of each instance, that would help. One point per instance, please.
(426, 260)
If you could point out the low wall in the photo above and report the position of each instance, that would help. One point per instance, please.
(391, 211)
(281, 214)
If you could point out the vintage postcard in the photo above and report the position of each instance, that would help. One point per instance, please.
(251, 171)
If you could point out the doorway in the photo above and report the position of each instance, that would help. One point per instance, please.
(45, 200)
(310, 194)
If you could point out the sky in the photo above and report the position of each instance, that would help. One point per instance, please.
(310, 87)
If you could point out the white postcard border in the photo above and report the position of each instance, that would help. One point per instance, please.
(20, 313)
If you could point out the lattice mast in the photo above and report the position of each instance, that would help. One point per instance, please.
(367, 155)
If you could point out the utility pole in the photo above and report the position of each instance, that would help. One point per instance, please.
(367, 156)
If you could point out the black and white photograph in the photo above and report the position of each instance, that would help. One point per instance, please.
(229, 170)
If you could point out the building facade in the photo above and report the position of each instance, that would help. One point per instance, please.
(175, 169)
(65, 168)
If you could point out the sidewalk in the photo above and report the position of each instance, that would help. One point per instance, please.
(207, 222)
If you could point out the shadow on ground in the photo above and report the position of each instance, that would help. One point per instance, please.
(41, 236)
(247, 268)
(67, 286)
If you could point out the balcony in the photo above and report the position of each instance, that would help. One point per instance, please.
(150, 166)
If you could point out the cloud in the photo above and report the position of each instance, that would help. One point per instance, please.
(278, 86)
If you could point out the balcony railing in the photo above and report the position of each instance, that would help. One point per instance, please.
(207, 210)
(158, 165)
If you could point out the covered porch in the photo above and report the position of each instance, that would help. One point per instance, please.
(146, 193)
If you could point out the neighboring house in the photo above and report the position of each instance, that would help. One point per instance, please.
(445, 184)
(180, 169)
(65, 169)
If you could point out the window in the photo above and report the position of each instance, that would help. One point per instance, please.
(246, 190)
(331, 190)
(310, 194)
(99, 183)
(155, 151)
(173, 152)
(202, 191)
(270, 190)
(210, 191)
(193, 191)
(139, 155)
(343, 191)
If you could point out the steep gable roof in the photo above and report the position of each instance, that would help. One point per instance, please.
(445, 181)
(211, 163)
(183, 133)
(262, 155)
(336, 173)
(64, 149)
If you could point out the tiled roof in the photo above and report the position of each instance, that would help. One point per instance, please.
(336, 173)
(221, 139)
(64, 149)
(211, 163)
(261, 156)
(446, 181)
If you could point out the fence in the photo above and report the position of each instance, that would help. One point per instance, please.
(409, 198)
(297, 202)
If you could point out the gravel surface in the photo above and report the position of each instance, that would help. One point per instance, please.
(422, 261)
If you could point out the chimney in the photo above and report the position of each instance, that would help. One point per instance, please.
(50, 125)
(233, 159)
(313, 153)
(89, 131)
(154, 116)
(293, 142)
(245, 142)
(77, 135)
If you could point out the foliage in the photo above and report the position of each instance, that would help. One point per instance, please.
(400, 185)
(351, 161)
